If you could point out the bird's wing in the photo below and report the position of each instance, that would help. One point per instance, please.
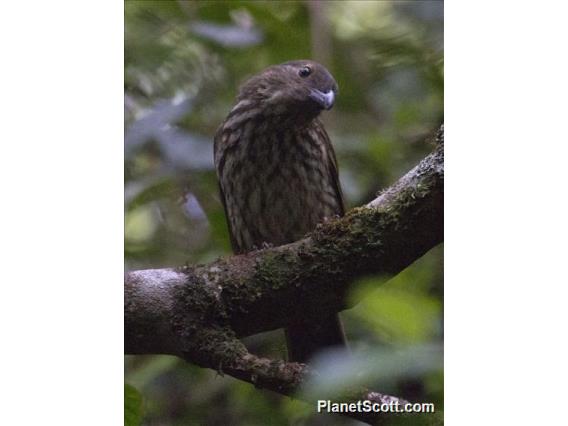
(332, 164)
(218, 155)
(234, 245)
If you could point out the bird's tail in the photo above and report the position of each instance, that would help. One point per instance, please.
(304, 340)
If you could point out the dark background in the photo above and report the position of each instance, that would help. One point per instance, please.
(184, 62)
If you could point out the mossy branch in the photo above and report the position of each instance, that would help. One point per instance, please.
(198, 312)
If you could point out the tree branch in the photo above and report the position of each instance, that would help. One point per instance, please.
(198, 312)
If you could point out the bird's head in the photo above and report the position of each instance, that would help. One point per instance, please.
(299, 89)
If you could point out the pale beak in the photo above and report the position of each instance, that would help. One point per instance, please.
(324, 99)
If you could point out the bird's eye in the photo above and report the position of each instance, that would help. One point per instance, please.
(305, 71)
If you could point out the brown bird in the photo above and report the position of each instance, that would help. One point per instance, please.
(278, 173)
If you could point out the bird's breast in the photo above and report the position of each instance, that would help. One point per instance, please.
(277, 186)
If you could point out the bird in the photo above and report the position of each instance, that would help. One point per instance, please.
(278, 175)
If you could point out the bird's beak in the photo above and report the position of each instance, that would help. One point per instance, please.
(324, 99)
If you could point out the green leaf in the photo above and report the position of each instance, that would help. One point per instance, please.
(132, 406)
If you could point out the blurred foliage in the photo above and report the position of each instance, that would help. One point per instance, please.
(132, 406)
(184, 61)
